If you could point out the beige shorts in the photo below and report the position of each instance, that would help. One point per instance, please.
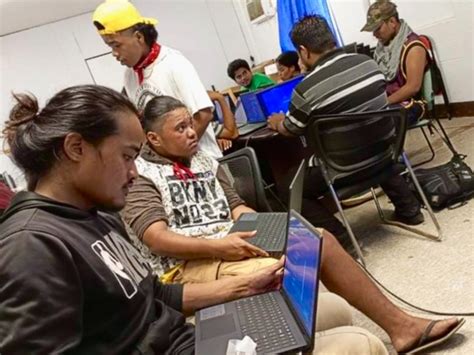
(204, 270)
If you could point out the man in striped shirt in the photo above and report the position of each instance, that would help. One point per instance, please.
(336, 83)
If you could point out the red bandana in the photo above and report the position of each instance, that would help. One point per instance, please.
(150, 58)
(182, 172)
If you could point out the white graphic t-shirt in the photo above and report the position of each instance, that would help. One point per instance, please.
(195, 207)
(173, 75)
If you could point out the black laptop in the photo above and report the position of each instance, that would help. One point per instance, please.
(271, 226)
(278, 321)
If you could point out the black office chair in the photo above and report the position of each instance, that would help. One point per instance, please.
(358, 151)
(433, 85)
(350, 48)
(371, 52)
(244, 172)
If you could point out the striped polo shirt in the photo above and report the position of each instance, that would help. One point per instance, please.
(338, 83)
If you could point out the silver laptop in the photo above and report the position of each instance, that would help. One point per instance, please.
(271, 226)
(278, 321)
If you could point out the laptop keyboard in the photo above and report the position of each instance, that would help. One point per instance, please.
(274, 228)
(251, 127)
(262, 319)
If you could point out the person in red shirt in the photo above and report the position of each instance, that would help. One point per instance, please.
(6, 196)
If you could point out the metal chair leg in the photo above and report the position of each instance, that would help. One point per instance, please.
(347, 225)
(377, 204)
(433, 153)
(444, 136)
(398, 224)
(423, 196)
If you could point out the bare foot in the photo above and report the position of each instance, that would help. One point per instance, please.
(412, 333)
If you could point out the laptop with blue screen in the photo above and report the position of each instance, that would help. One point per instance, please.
(278, 321)
(255, 118)
(277, 98)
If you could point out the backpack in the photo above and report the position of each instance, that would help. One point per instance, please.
(449, 185)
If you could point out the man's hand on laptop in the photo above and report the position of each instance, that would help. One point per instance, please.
(275, 120)
(266, 279)
(235, 247)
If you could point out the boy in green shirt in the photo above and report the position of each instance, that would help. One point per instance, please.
(239, 71)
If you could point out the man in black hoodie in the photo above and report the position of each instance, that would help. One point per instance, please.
(70, 282)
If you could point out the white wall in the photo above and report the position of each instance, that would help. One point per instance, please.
(350, 16)
(262, 38)
(450, 24)
(191, 26)
(18, 15)
(42, 61)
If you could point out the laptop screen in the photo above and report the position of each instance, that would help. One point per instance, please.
(277, 98)
(239, 114)
(218, 109)
(252, 107)
(301, 277)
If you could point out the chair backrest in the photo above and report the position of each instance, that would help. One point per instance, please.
(350, 48)
(427, 89)
(246, 178)
(357, 143)
(437, 81)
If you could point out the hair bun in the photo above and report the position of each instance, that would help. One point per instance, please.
(24, 112)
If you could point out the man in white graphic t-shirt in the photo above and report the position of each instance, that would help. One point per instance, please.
(154, 69)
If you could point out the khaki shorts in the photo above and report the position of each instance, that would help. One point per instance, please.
(204, 270)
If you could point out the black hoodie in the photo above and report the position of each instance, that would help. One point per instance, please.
(70, 282)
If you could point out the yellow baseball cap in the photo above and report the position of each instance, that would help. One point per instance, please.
(113, 16)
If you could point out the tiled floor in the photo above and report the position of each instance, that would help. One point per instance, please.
(433, 275)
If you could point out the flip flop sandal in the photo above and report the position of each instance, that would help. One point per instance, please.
(426, 342)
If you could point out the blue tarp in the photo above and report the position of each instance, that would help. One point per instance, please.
(290, 11)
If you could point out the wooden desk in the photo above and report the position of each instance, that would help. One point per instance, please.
(277, 155)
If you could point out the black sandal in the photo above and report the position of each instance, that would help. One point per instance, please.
(426, 342)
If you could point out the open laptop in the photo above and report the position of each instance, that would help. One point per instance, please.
(255, 118)
(277, 98)
(218, 114)
(278, 321)
(271, 226)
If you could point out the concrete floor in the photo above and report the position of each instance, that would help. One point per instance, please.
(433, 275)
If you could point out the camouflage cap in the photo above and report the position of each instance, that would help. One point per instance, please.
(378, 12)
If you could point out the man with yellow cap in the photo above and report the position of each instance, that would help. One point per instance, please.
(401, 56)
(154, 69)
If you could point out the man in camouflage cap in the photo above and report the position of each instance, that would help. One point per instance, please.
(379, 12)
(401, 56)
